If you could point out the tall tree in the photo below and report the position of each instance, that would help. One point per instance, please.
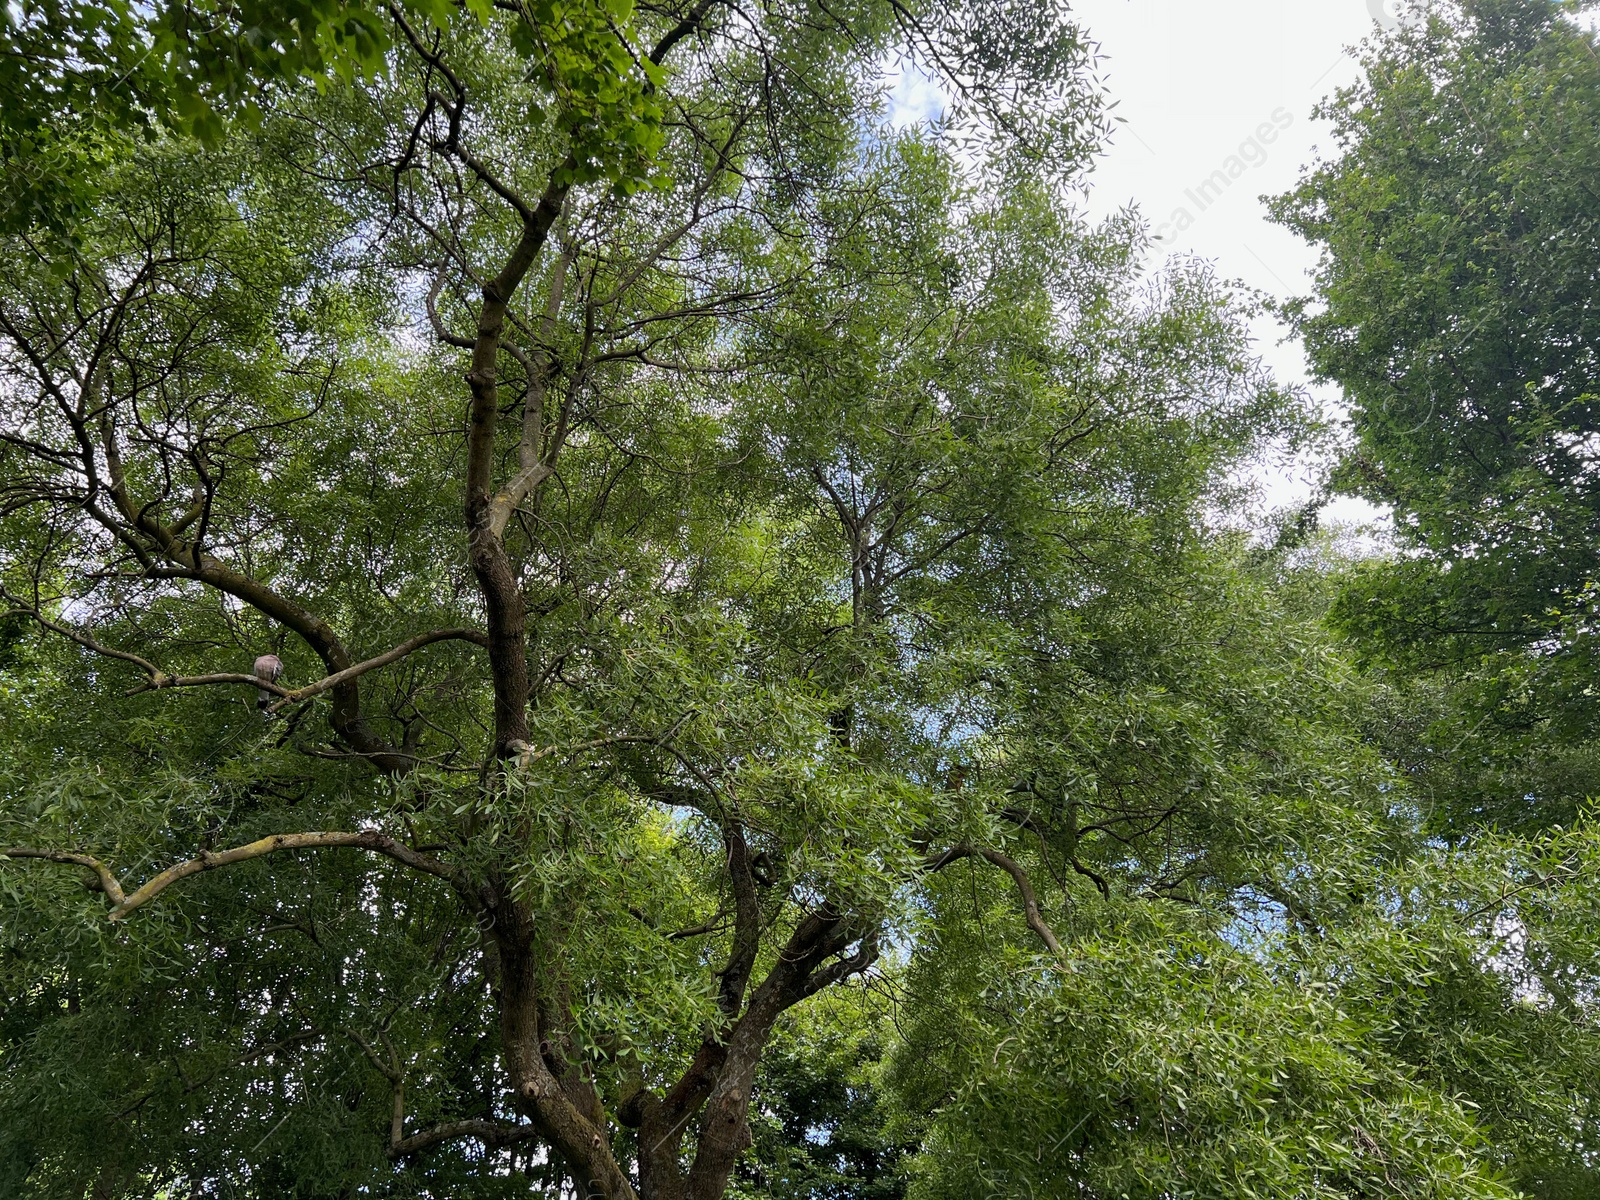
(1456, 304)
(720, 551)
(638, 795)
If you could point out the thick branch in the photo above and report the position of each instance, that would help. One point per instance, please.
(315, 632)
(724, 1121)
(125, 903)
(578, 1136)
(746, 925)
(319, 635)
(503, 599)
(718, 1082)
(141, 531)
(534, 463)
(838, 972)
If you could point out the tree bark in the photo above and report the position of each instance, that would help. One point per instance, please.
(502, 593)
(579, 1137)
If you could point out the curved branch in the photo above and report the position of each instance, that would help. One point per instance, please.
(108, 881)
(1026, 820)
(160, 681)
(389, 1070)
(505, 605)
(491, 1133)
(1030, 900)
(88, 643)
(125, 903)
(434, 319)
(536, 464)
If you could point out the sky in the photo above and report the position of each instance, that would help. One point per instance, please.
(1194, 84)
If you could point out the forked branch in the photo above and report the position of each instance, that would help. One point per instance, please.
(493, 1134)
(328, 683)
(159, 680)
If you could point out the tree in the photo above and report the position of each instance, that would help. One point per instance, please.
(1455, 303)
(725, 555)
(1375, 1014)
(624, 838)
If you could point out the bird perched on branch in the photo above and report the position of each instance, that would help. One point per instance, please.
(268, 668)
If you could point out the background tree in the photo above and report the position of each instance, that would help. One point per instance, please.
(821, 1116)
(1455, 303)
(1374, 1014)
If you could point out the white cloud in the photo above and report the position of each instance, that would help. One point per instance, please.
(915, 98)
(1196, 83)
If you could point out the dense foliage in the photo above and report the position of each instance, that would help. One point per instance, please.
(778, 698)
(1458, 307)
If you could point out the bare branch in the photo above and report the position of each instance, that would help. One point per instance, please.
(491, 1133)
(1030, 901)
(506, 607)
(476, 637)
(108, 881)
(123, 904)
(161, 681)
(389, 1070)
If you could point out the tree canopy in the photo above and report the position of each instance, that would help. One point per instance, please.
(777, 698)
(1456, 305)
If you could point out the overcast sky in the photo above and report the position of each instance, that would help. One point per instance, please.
(1221, 86)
